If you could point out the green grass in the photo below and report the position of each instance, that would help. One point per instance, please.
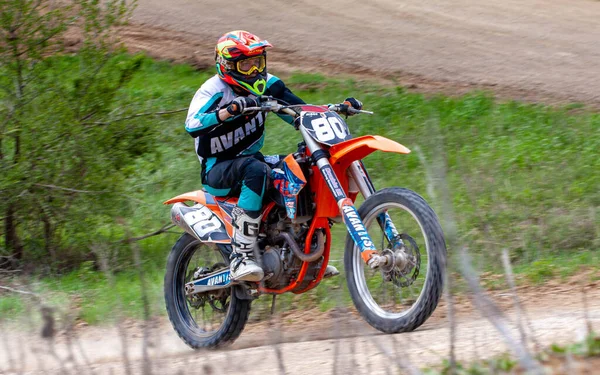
(554, 357)
(561, 267)
(521, 176)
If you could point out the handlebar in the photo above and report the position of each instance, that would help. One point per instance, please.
(271, 105)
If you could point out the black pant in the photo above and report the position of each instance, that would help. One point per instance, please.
(248, 176)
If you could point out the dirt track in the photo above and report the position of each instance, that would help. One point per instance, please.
(543, 50)
(310, 342)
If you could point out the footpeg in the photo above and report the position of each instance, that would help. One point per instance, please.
(330, 271)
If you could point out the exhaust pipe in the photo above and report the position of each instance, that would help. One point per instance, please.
(200, 222)
(296, 249)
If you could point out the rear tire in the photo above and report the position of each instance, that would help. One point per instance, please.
(433, 281)
(178, 309)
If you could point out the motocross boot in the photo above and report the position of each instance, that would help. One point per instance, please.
(243, 265)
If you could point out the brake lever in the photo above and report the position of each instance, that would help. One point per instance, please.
(265, 98)
(359, 111)
(337, 108)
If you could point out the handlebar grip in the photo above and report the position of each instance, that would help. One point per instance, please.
(252, 109)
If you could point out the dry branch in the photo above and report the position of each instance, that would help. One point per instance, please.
(274, 325)
(452, 320)
(18, 291)
(72, 190)
(100, 251)
(586, 312)
(163, 113)
(398, 360)
(510, 279)
(521, 313)
(495, 316)
(163, 229)
(137, 258)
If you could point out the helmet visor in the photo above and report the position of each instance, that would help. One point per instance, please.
(251, 65)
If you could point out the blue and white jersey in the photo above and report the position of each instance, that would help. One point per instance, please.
(239, 135)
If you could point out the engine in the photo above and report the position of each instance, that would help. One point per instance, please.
(280, 248)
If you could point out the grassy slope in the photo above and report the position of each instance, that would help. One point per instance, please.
(522, 177)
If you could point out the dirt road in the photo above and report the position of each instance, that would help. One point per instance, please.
(546, 50)
(311, 342)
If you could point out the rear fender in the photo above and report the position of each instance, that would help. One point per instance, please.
(198, 196)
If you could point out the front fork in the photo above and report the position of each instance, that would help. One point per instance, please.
(354, 223)
(365, 185)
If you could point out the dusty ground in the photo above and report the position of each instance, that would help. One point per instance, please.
(541, 50)
(311, 342)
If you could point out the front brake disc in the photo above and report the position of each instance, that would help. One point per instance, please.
(406, 277)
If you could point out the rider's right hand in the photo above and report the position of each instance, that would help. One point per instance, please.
(239, 104)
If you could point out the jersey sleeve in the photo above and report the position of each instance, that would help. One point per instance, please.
(202, 114)
(279, 90)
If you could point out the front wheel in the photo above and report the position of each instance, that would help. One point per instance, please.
(204, 320)
(391, 299)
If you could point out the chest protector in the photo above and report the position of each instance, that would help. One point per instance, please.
(229, 139)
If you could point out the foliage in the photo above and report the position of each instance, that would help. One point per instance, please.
(589, 347)
(520, 174)
(498, 365)
(504, 364)
(63, 160)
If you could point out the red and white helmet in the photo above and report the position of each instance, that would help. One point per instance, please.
(241, 60)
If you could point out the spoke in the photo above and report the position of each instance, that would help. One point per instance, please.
(214, 307)
(402, 287)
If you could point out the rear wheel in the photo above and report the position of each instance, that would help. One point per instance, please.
(394, 299)
(203, 320)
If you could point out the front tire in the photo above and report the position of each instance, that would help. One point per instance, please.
(417, 217)
(229, 312)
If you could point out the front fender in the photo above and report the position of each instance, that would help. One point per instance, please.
(344, 153)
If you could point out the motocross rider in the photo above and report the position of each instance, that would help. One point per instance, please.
(228, 140)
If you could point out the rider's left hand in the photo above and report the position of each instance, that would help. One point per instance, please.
(354, 103)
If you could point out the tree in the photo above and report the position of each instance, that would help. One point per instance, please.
(62, 163)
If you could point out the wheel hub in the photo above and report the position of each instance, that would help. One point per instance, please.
(216, 299)
(403, 262)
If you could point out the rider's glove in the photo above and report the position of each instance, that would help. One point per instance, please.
(240, 103)
(348, 103)
(354, 103)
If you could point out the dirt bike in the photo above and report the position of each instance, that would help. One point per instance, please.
(395, 253)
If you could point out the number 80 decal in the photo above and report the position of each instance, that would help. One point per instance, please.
(329, 130)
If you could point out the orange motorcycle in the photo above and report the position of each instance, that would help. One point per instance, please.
(395, 253)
